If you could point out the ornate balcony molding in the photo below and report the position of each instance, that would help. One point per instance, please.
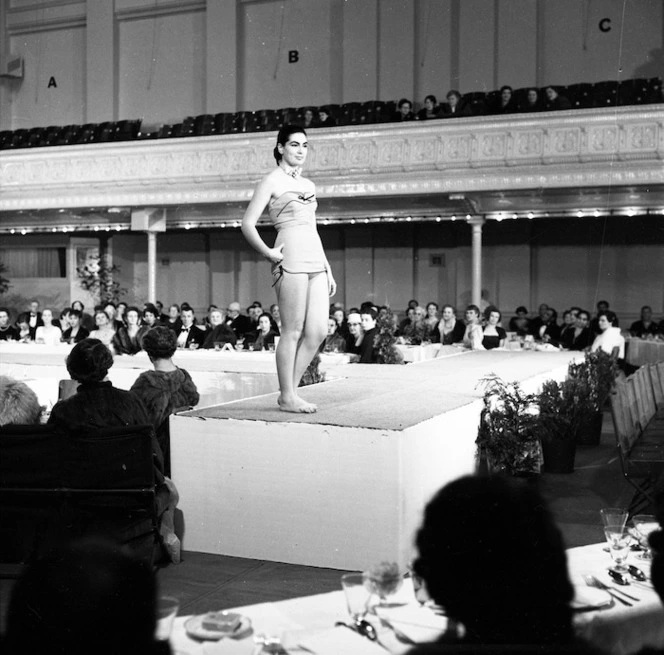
(590, 148)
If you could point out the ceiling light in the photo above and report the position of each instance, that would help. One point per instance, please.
(531, 215)
(579, 214)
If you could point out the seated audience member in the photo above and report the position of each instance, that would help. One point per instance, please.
(63, 321)
(127, 338)
(23, 328)
(121, 312)
(334, 342)
(539, 320)
(449, 329)
(112, 312)
(505, 103)
(602, 306)
(7, 332)
(355, 333)
(554, 101)
(532, 102)
(264, 336)
(646, 326)
(105, 331)
(166, 389)
(161, 317)
(149, 319)
(87, 320)
(473, 335)
(309, 118)
(75, 332)
(34, 318)
(88, 596)
(494, 335)
(276, 316)
(47, 333)
(368, 351)
(430, 109)
(609, 339)
(191, 336)
(238, 322)
(324, 118)
(490, 553)
(340, 317)
(174, 322)
(407, 322)
(568, 326)
(520, 322)
(404, 111)
(455, 106)
(415, 332)
(218, 332)
(580, 338)
(19, 404)
(431, 318)
(548, 330)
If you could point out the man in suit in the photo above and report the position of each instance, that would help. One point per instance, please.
(238, 322)
(368, 352)
(189, 332)
(34, 318)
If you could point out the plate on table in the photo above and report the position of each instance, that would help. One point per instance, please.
(194, 628)
(588, 598)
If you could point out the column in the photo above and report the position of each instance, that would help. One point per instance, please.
(152, 266)
(476, 223)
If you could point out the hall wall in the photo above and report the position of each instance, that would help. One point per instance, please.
(98, 60)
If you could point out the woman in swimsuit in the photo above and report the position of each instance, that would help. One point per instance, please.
(301, 272)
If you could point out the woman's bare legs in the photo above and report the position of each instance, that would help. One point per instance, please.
(302, 302)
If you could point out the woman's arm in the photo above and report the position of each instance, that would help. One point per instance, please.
(257, 204)
(476, 335)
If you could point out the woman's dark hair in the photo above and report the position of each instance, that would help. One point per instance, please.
(452, 307)
(150, 309)
(474, 308)
(23, 317)
(78, 302)
(133, 308)
(75, 312)
(432, 98)
(431, 302)
(506, 87)
(455, 93)
(403, 101)
(285, 133)
(490, 310)
(101, 311)
(521, 308)
(174, 305)
(585, 313)
(610, 317)
(160, 342)
(491, 554)
(89, 361)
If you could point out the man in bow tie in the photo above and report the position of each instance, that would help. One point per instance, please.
(189, 332)
(35, 318)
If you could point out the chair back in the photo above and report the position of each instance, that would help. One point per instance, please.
(36, 449)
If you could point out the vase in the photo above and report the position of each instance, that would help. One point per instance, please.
(590, 430)
(559, 455)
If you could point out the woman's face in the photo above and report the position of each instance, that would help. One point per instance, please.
(339, 316)
(47, 317)
(331, 326)
(452, 100)
(494, 317)
(568, 318)
(432, 311)
(122, 308)
(448, 313)
(77, 305)
(264, 324)
(149, 318)
(294, 151)
(532, 96)
(471, 316)
(110, 311)
(582, 320)
(604, 323)
(308, 116)
(428, 103)
(173, 312)
(132, 317)
(101, 319)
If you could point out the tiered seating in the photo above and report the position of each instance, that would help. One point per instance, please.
(581, 96)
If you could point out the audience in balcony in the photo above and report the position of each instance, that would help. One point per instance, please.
(47, 333)
(555, 101)
(430, 110)
(493, 335)
(505, 103)
(75, 332)
(455, 107)
(404, 111)
(19, 404)
(309, 118)
(324, 118)
(7, 331)
(105, 331)
(532, 102)
(646, 326)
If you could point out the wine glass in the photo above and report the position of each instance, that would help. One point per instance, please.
(239, 344)
(619, 546)
(613, 517)
(357, 595)
(644, 524)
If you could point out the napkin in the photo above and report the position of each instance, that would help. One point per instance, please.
(415, 623)
(340, 640)
(229, 647)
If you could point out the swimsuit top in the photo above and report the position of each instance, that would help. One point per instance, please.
(293, 208)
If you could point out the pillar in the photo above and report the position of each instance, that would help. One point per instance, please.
(152, 267)
(476, 223)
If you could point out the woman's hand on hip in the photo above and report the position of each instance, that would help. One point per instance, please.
(331, 284)
(275, 255)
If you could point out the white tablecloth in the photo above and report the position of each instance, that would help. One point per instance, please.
(618, 629)
(643, 351)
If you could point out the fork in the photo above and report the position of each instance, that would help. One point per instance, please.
(592, 581)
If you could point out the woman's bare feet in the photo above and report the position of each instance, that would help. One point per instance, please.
(296, 405)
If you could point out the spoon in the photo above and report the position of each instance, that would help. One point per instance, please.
(636, 573)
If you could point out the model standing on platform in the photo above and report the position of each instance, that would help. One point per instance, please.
(302, 276)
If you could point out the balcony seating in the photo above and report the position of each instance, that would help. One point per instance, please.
(204, 125)
(605, 94)
(477, 102)
(580, 95)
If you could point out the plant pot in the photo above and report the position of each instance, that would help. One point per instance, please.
(559, 455)
(590, 430)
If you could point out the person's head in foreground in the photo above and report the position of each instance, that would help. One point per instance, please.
(19, 404)
(89, 596)
(491, 555)
(160, 342)
(89, 361)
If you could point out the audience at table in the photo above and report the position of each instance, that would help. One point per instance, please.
(191, 335)
(75, 332)
(219, 333)
(87, 320)
(355, 333)
(646, 326)
(34, 318)
(449, 329)
(263, 337)
(490, 553)
(473, 335)
(47, 333)
(602, 306)
(334, 342)
(520, 323)
(19, 404)
(88, 596)
(105, 331)
(580, 338)
(609, 339)
(7, 331)
(126, 340)
(493, 335)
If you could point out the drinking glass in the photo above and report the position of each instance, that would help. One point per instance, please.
(357, 595)
(167, 608)
(614, 517)
(644, 524)
(619, 542)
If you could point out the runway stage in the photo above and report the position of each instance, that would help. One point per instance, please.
(345, 487)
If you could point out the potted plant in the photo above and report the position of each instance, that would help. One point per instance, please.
(594, 377)
(385, 342)
(508, 434)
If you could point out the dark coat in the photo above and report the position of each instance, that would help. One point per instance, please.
(80, 335)
(368, 353)
(220, 333)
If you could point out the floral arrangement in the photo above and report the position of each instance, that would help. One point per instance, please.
(509, 427)
(561, 412)
(383, 579)
(594, 376)
(97, 277)
(385, 341)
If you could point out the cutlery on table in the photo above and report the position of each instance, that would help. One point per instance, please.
(592, 581)
(636, 573)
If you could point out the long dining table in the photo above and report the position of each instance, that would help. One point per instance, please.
(307, 624)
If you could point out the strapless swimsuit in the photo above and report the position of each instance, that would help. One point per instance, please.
(293, 214)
